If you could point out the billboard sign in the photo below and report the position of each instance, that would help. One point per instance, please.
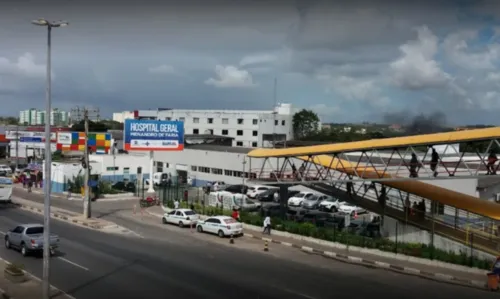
(64, 138)
(153, 135)
(12, 135)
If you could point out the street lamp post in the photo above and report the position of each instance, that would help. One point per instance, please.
(48, 158)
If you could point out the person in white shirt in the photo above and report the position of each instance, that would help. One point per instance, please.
(176, 204)
(267, 225)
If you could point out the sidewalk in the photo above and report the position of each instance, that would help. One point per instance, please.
(71, 217)
(29, 289)
(421, 267)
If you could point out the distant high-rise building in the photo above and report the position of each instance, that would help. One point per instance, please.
(34, 117)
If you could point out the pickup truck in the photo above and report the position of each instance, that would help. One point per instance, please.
(28, 238)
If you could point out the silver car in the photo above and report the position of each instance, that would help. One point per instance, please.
(28, 238)
(314, 201)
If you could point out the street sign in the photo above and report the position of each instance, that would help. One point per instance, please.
(31, 139)
(153, 135)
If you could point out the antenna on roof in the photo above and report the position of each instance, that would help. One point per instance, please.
(275, 95)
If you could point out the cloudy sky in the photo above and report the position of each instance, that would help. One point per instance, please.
(347, 60)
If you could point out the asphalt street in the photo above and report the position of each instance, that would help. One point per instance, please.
(92, 264)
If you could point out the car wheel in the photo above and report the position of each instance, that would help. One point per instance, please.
(181, 224)
(163, 220)
(24, 250)
(7, 243)
(199, 229)
(221, 234)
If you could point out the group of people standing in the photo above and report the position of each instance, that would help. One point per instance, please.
(31, 178)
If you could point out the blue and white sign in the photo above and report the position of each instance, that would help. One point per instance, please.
(31, 139)
(153, 135)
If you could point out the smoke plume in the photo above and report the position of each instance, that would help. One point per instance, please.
(418, 124)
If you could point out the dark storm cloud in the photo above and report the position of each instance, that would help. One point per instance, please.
(418, 124)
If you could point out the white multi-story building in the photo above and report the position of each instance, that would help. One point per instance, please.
(34, 117)
(122, 116)
(249, 128)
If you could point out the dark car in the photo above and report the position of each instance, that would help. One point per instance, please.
(238, 189)
(268, 195)
(124, 186)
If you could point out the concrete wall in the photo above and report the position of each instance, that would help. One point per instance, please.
(411, 234)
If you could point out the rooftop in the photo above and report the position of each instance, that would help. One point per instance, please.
(219, 148)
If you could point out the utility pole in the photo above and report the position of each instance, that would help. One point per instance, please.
(86, 198)
(17, 146)
(274, 110)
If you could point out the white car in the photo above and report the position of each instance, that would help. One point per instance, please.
(221, 225)
(218, 186)
(253, 191)
(350, 209)
(181, 217)
(332, 204)
(297, 199)
(6, 169)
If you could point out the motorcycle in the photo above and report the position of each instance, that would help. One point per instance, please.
(149, 202)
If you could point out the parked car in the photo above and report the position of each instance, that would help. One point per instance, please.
(124, 186)
(268, 195)
(366, 229)
(350, 209)
(254, 191)
(221, 225)
(181, 217)
(218, 186)
(28, 238)
(314, 201)
(5, 169)
(297, 199)
(331, 204)
(238, 189)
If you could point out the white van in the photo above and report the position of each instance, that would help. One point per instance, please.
(229, 200)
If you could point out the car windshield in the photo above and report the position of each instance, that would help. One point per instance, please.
(348, 205)
(312, 198)
(250, 202)
(330, 199)
(251, 188)
(34, 230)
(188, 213)
(300, 195)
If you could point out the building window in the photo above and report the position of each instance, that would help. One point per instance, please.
(239, 143)
(240, 121)
(254, 144)
(196, 120)
(196, 131)
(228, 172)
(112, 168)
(210, 120)
(276, 122)
(193, 168)
(239, 132)
(255, 133)
(204, 169)
(255, 121)
(225, 132)
(209, 131)
(282, 122)
(237, 174)
(167, 118)
(225, 121)
(217, 171)
(183, 119)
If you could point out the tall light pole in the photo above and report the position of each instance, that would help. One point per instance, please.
(48, 159)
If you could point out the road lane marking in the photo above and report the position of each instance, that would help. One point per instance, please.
(2, 233)
(73, 263)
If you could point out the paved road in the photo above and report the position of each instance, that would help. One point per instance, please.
(97, 265)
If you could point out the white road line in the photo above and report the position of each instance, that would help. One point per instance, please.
(298, 294)
(2, 233)
(73, 263)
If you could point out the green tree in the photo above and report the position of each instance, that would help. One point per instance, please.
(305, 123)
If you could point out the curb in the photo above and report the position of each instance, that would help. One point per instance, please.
(360, 261)
(60, 217)
(357, 260)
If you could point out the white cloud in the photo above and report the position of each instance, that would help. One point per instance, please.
(325, 111)
(231, 77)
(257, 59)
(24, 66)
(162, 69)
(417, 68)
(458, 51)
